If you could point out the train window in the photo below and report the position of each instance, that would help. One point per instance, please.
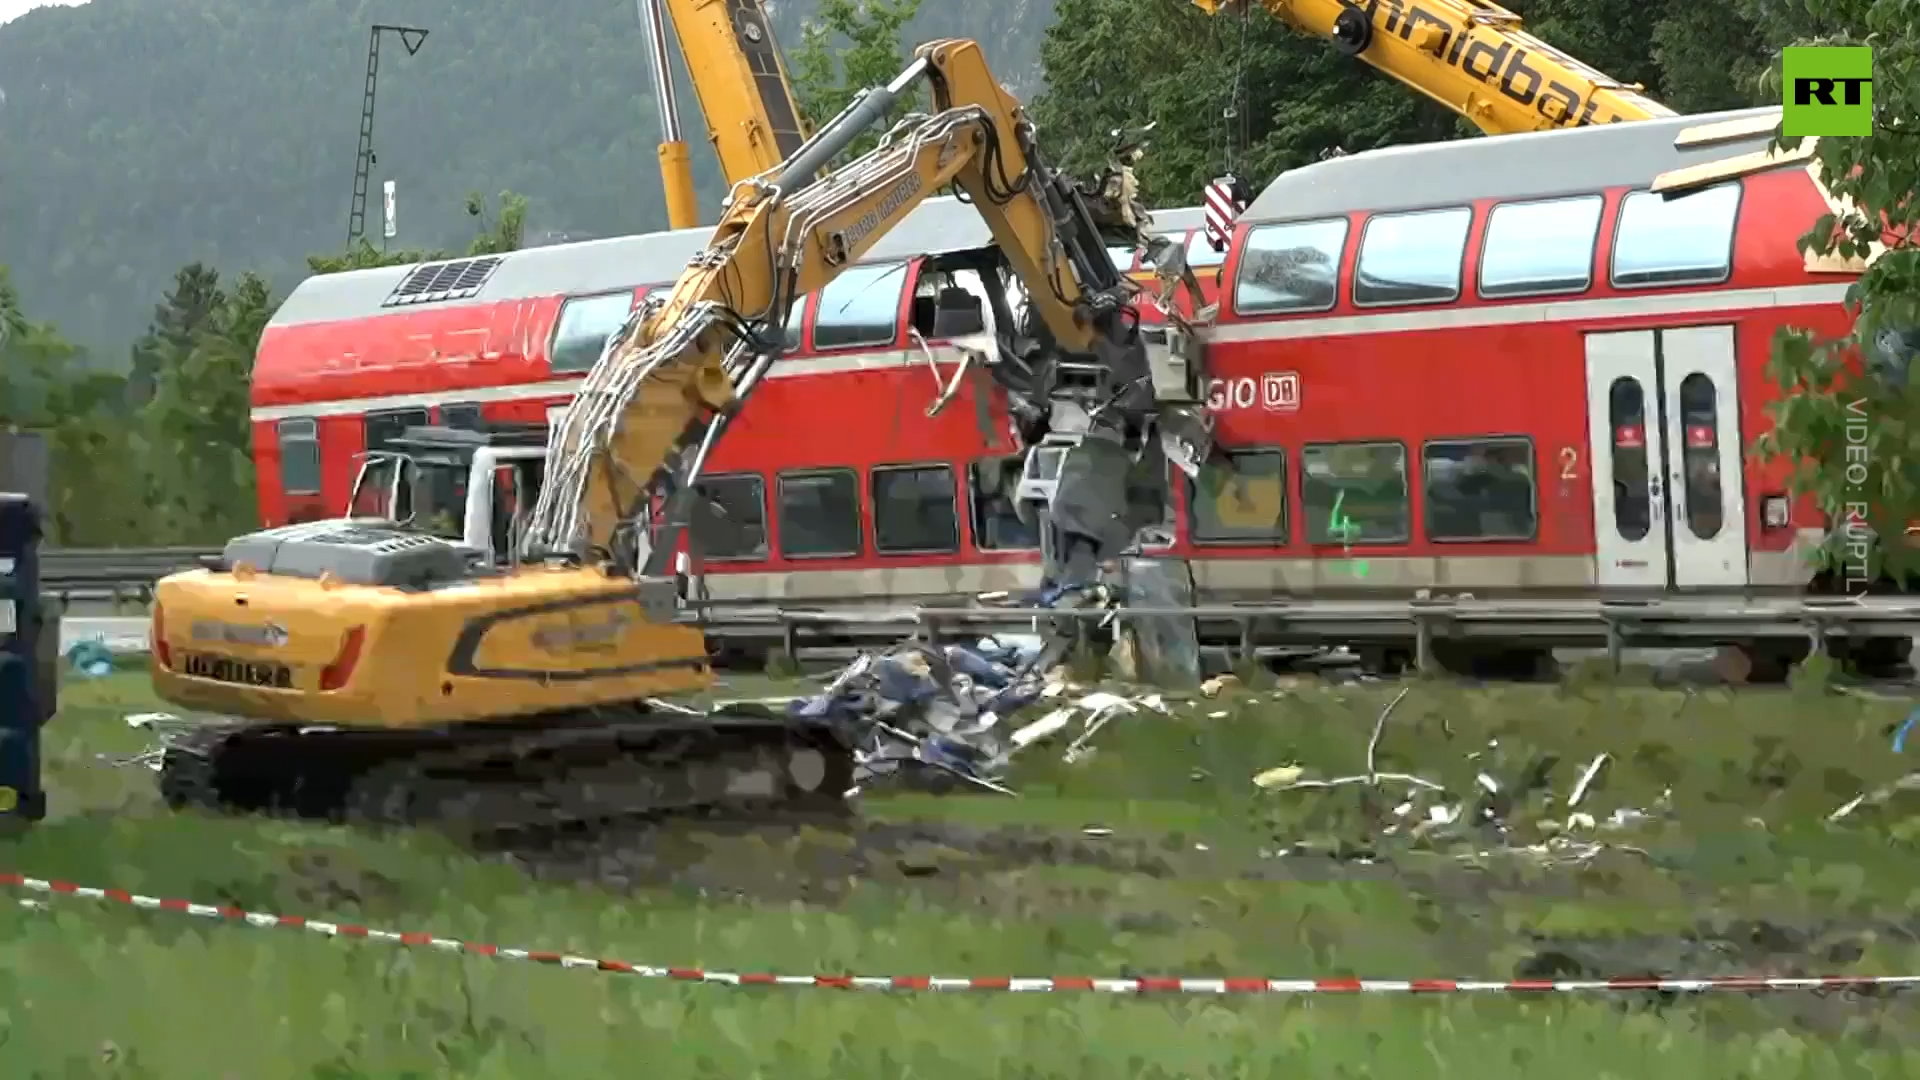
(299, 456)
(1355, 493)
(586, 322)
(1627, 416)
(913, 511)
(383, 428)
(1290, 268)
(1540, 247)
(1412, 258)
(996, 524)
(1200, 253)
(1121, 255)
(464, 417)
(1241, 502)
(1480, 489)
(860, 307)
(730, 517)
(1683, 241)
(819, 514)
(1700, 454)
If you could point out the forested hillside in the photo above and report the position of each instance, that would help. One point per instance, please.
(137, 136)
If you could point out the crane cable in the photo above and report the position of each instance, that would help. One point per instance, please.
(1234, 117)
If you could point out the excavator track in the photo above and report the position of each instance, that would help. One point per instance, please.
(490, 781)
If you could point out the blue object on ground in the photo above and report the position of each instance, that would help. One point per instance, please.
(1907, 725)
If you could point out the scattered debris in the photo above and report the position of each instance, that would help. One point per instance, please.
(942, 710)
(1432, 811)
(1909, 782)
(1586, 780)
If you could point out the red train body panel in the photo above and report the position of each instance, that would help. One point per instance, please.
(1495, 365)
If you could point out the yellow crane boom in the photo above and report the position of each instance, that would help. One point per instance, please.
(1472, 57)
(753, 118)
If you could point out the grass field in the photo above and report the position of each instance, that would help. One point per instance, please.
(1736, 872)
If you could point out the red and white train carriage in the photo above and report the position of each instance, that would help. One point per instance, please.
(1496, 365)
(833, 480)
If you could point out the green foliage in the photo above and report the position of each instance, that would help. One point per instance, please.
(1849, 413)
(848, 46)
(1733, 870)
(162, 456)
(497, 234)
(1122, 63)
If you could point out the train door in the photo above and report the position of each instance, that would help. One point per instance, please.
(1664, 429)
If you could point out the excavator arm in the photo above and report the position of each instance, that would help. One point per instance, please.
(623, 459)
(1472, 57)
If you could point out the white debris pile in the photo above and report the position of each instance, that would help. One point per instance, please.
(1502, 809)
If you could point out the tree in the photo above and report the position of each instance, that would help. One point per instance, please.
(848, 46)
(177, 322)
(497, 235)
(1848, 417)
(13, 321)
(1123, 63)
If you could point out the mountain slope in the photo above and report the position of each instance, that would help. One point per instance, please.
(137, 136)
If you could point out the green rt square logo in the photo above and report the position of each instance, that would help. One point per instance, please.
(1829, 91)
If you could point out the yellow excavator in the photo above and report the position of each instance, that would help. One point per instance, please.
(367, 670)
(1472, 57)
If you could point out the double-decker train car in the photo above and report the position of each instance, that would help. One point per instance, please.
(1505, 366)
(829, 484)
(1497, 366)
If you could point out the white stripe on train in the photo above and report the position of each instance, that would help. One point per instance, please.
(1699, 302)
(1218, 580)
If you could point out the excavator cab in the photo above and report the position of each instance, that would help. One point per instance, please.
(471, 488)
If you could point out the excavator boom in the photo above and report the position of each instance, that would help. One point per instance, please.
(1472, 57)
(646, 416)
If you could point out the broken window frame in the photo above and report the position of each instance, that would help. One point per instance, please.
(705, 489)
(978, 509)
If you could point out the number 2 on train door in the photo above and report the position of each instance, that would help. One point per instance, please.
(1569, 463)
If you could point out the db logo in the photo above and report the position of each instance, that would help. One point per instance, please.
(1276, 391)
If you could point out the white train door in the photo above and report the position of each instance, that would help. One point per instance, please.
(1663, 420)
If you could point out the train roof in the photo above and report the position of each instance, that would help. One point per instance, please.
(1534, 164)
(623, 262)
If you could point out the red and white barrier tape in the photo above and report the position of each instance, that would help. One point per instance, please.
(1138, 985)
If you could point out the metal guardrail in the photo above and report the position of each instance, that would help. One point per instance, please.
(1676, 622)
(112, 573)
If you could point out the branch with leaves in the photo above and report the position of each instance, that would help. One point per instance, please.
(1848, 415)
